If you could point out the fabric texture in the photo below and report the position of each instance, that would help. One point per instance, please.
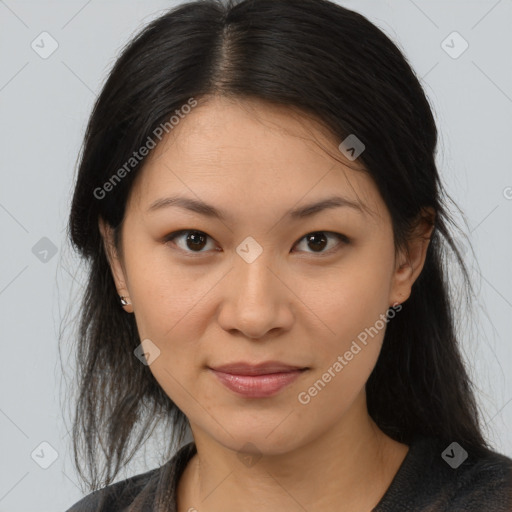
(425, 482)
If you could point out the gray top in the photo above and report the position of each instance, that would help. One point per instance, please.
(433, 477)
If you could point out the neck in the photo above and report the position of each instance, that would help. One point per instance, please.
(347, 468)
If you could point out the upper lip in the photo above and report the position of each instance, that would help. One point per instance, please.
(267, 367)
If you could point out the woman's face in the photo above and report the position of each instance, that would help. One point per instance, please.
(252, 286)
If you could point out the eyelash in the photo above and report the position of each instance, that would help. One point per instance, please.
(342, 238)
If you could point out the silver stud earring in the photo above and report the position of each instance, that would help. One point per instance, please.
(123, 300)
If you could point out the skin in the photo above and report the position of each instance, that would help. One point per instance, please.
(291, 304)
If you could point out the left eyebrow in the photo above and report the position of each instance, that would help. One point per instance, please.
(209, 210)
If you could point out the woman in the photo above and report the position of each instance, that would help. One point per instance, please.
(265, 225)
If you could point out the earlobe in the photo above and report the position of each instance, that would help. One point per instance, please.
(402, 283)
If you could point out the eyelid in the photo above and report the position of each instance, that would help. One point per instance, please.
(343, 239)
(175, 234)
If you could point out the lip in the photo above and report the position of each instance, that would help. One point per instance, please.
(265, 368)
(257, 381)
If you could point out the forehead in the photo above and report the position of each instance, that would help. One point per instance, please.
(259, 154)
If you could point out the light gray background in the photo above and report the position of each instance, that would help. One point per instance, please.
(44, 106)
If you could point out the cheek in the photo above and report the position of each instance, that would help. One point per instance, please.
(164, 294)
(169, 310)
(348, 349)
(352, 308)
(349, 302)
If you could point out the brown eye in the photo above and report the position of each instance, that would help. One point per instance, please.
(318, 241)
(194, 241)
(191, 240)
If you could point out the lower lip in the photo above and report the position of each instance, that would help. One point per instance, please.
(257, 386)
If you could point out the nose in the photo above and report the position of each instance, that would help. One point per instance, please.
(256, 301)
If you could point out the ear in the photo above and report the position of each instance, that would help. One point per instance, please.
(411, 260)
(116, 266)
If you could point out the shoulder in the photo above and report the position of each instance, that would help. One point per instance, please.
(484, 484)
(466, 480)
(447, 476)
(142, 490)
(119, 495)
